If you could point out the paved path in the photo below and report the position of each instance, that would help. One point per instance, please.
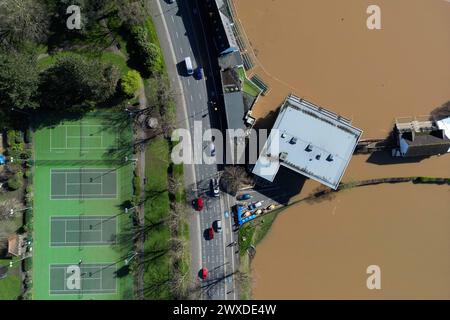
(140, 136)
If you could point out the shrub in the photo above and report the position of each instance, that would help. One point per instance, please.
(146, 52)
(15, 182)
(130, 83)
(14, 137)
(29, 189)
(27, 264)
(28, 173)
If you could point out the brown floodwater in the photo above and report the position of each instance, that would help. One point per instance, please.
(322, 50)
(322, 250)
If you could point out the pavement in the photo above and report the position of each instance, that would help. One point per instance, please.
(181, 33)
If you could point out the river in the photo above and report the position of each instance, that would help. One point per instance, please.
(322, 50)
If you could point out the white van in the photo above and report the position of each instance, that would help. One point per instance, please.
(189, 68)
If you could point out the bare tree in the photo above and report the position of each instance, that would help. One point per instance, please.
(23, 20)
(233, 178)
(6, 207)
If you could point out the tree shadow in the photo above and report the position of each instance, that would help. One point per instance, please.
(441, 112)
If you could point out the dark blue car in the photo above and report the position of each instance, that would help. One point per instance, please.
(198, 73)
(244, 196)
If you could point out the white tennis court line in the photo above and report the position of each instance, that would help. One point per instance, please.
(100, 268)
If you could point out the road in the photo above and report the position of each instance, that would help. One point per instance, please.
(181, 34)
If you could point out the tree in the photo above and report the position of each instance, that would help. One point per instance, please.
(130, 83)
(6, 207)
(23, 21)
(76, 83)
(233, 178)
(19, 80)
(15, 182)
(144, 52)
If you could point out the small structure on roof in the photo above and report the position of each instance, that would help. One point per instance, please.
(310, 140)
(2, 160)
(420, 137)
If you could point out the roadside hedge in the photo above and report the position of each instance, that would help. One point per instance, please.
(145, 52)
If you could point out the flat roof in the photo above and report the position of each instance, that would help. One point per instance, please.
(309, 140)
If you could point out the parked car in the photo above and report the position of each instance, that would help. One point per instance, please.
(271, 207)
(258, 212)
(210, 233)
(198, 73)
(227, 214)
(244, 196)
(198, 204)
(218, 225)
(204, 273)
(214, 184)
(188, 65)
(255, 205)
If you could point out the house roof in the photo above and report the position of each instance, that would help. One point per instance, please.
(425, 143)
(309, 140)
(230, 58)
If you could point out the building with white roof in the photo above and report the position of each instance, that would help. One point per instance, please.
(310, 140)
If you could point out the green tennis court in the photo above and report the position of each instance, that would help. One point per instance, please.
(94, 278)
(83, 183)
(81, 137)
(73, 231)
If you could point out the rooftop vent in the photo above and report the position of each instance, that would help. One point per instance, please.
(308, 148)
(283, 156)
(330, 158)
(283, 135)
(318, 157)
(293, 140)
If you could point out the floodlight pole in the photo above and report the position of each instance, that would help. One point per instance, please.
(127, 260)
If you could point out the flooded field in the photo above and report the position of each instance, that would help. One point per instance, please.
(322, 50)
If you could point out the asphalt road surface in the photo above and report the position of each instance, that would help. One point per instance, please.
(181, 33)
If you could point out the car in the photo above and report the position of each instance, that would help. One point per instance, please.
(198, 204)
(227, 214)
(210, 233)
(215, 187)
(212, 149)
(271, 207)
(204, 273)
(244, 196)
(255, 205)
(198, 73)
(188, 65)
(218, 225)
(258, 212)
(246, 214)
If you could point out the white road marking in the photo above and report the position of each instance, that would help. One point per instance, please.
(192, 99)
(200, 96)
(176, 33)
(181, 49)
(173, 20)
(188, 82)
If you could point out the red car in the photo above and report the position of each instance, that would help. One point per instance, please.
(198, 204)
(204, 273)
(210, 233)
